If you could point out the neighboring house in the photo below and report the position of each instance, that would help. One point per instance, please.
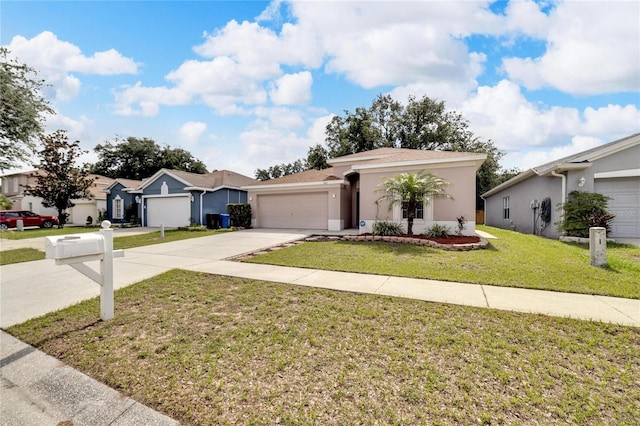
(120, 199)
(612, 169)
(175, 198)
(344, 196)
(13, 187)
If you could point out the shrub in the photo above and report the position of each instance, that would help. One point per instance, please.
(461, 222)
(239, 215)
(582, 211)
(437, 231)
(387, 229)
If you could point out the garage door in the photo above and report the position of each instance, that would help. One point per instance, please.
(306, 210)
(168, 211)
(79, 214)
(624, 203)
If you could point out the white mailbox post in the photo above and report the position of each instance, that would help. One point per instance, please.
(74, 250)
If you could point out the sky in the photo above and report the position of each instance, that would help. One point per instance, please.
(244, 85)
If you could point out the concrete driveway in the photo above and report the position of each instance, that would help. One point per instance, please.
(32, 289)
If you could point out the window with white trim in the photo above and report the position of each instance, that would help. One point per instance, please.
(505, 208)
(419, 211)
(118, 208)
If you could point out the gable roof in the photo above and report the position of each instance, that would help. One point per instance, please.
(581, 160)
(128, 184)
(376, 158)
(195, 181)
(302, 177)
(99, 184)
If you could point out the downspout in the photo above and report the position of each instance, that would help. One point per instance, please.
(564, 190)
(201, 198)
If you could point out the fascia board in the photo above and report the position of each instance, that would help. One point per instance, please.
(299, 185)
(564, 167)
(199, 188)
(514, 180)
(157, 175)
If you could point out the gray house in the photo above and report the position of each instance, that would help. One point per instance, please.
(531, 202)
(175, 198)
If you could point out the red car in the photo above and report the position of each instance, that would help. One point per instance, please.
(8, 219)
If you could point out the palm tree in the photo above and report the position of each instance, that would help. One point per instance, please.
(412, 190)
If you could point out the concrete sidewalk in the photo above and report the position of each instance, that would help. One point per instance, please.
(44, 395)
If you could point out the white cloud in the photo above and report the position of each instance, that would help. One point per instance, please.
(281, 118)
(525, 17)
(292, 89)
(532, 135)
(532, 158)
(148, 99)
(191, 132)
(55, 60)
(592, 48)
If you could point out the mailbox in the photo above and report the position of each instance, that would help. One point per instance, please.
(74, 246)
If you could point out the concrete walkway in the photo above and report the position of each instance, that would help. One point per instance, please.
(46, 395)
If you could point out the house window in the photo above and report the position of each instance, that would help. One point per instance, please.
(419, 211)
(15, 184)
(505, 208)
(118, 208)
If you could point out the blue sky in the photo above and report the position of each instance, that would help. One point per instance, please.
(244, 85)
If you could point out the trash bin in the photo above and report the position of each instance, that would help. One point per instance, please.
(224, 219)
(213, 221)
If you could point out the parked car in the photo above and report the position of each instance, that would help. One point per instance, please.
(9, 218)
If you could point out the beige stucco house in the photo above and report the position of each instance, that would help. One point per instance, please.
(344, 195)
(13, 186)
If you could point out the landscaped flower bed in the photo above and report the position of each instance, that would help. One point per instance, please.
(452, 242)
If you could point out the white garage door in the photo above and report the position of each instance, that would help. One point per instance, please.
(168, 211)
(79, 214)
(307, 211)
(624, 203)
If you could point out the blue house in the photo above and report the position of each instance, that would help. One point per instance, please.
(175, 198)
(122, 204)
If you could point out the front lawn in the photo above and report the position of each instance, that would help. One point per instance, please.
(44, 232)
(511, 260)
(207, 349)
(20, 255)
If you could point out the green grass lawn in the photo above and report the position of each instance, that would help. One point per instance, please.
(208, 349)
(20, 255)
(42, 232)
(150, 238)
(512, 260)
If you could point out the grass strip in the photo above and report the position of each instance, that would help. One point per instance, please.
(512, 260)
(208, 349)
(20, 255)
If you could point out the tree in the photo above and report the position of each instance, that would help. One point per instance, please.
(412, 190)
(61, 181)
(317, 157)
(22, 108)
(420, 124)
(134, 158)
(5, 202)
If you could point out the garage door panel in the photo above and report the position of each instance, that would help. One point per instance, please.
(171, 212)
(306, 210)
(624, 204)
